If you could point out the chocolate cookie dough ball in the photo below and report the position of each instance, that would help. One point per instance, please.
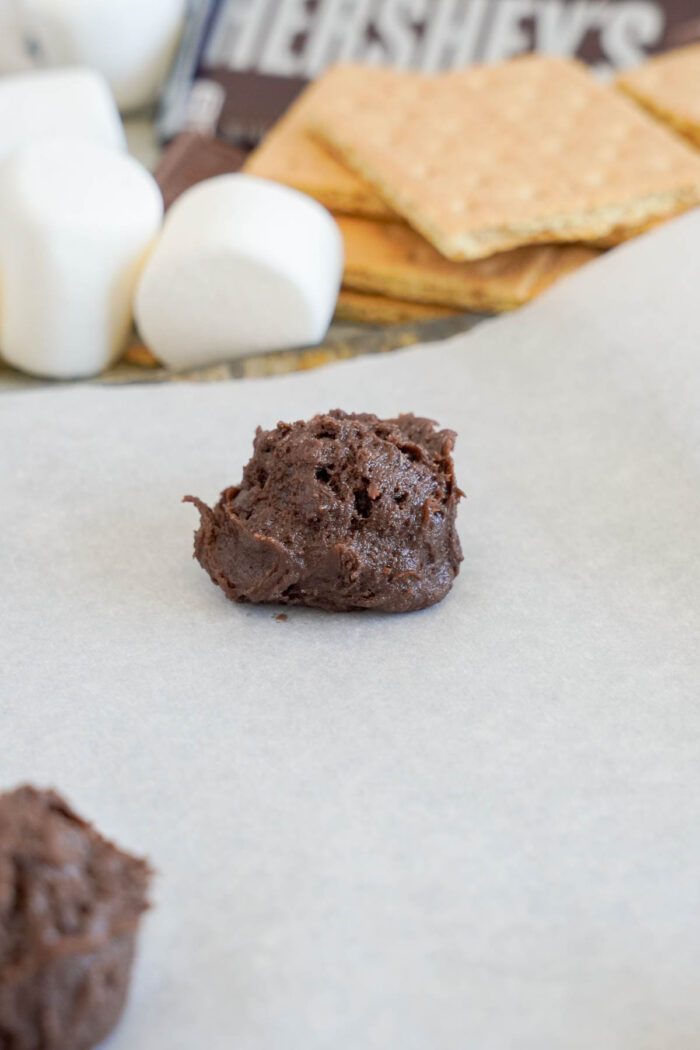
(340, 512)
(70, 904)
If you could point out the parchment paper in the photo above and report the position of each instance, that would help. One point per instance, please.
(474, 827)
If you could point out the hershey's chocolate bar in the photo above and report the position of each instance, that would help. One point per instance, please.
(190, 158)
(249, 58)
(249, 103)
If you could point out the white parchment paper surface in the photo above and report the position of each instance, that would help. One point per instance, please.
(473, 827)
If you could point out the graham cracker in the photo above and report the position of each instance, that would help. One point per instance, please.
(669, 87)
(494, 157)
(138, 354)
(288, 154)
(379, 309)
(392, 259)
(630, 232)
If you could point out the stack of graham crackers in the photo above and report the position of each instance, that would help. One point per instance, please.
(477, 189)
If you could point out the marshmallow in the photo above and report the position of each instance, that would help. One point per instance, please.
(242, 265)
(76, 221)
(72, 103)
(131, 42)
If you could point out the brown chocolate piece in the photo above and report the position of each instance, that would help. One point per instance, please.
(341, 512)
(252, 103)
(192, 158)
(70, 904)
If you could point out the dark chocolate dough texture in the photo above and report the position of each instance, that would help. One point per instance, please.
(70, 904)
(341, 512)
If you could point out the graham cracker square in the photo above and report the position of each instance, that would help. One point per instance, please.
(491, 158)
(392, 259)
(669, 87)
(365, 308)
(288, 154)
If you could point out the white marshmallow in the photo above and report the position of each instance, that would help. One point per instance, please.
(242, 265)
(131, 42)
(72, 103)
(76, 221)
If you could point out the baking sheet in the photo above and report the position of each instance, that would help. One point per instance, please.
(476, 826)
